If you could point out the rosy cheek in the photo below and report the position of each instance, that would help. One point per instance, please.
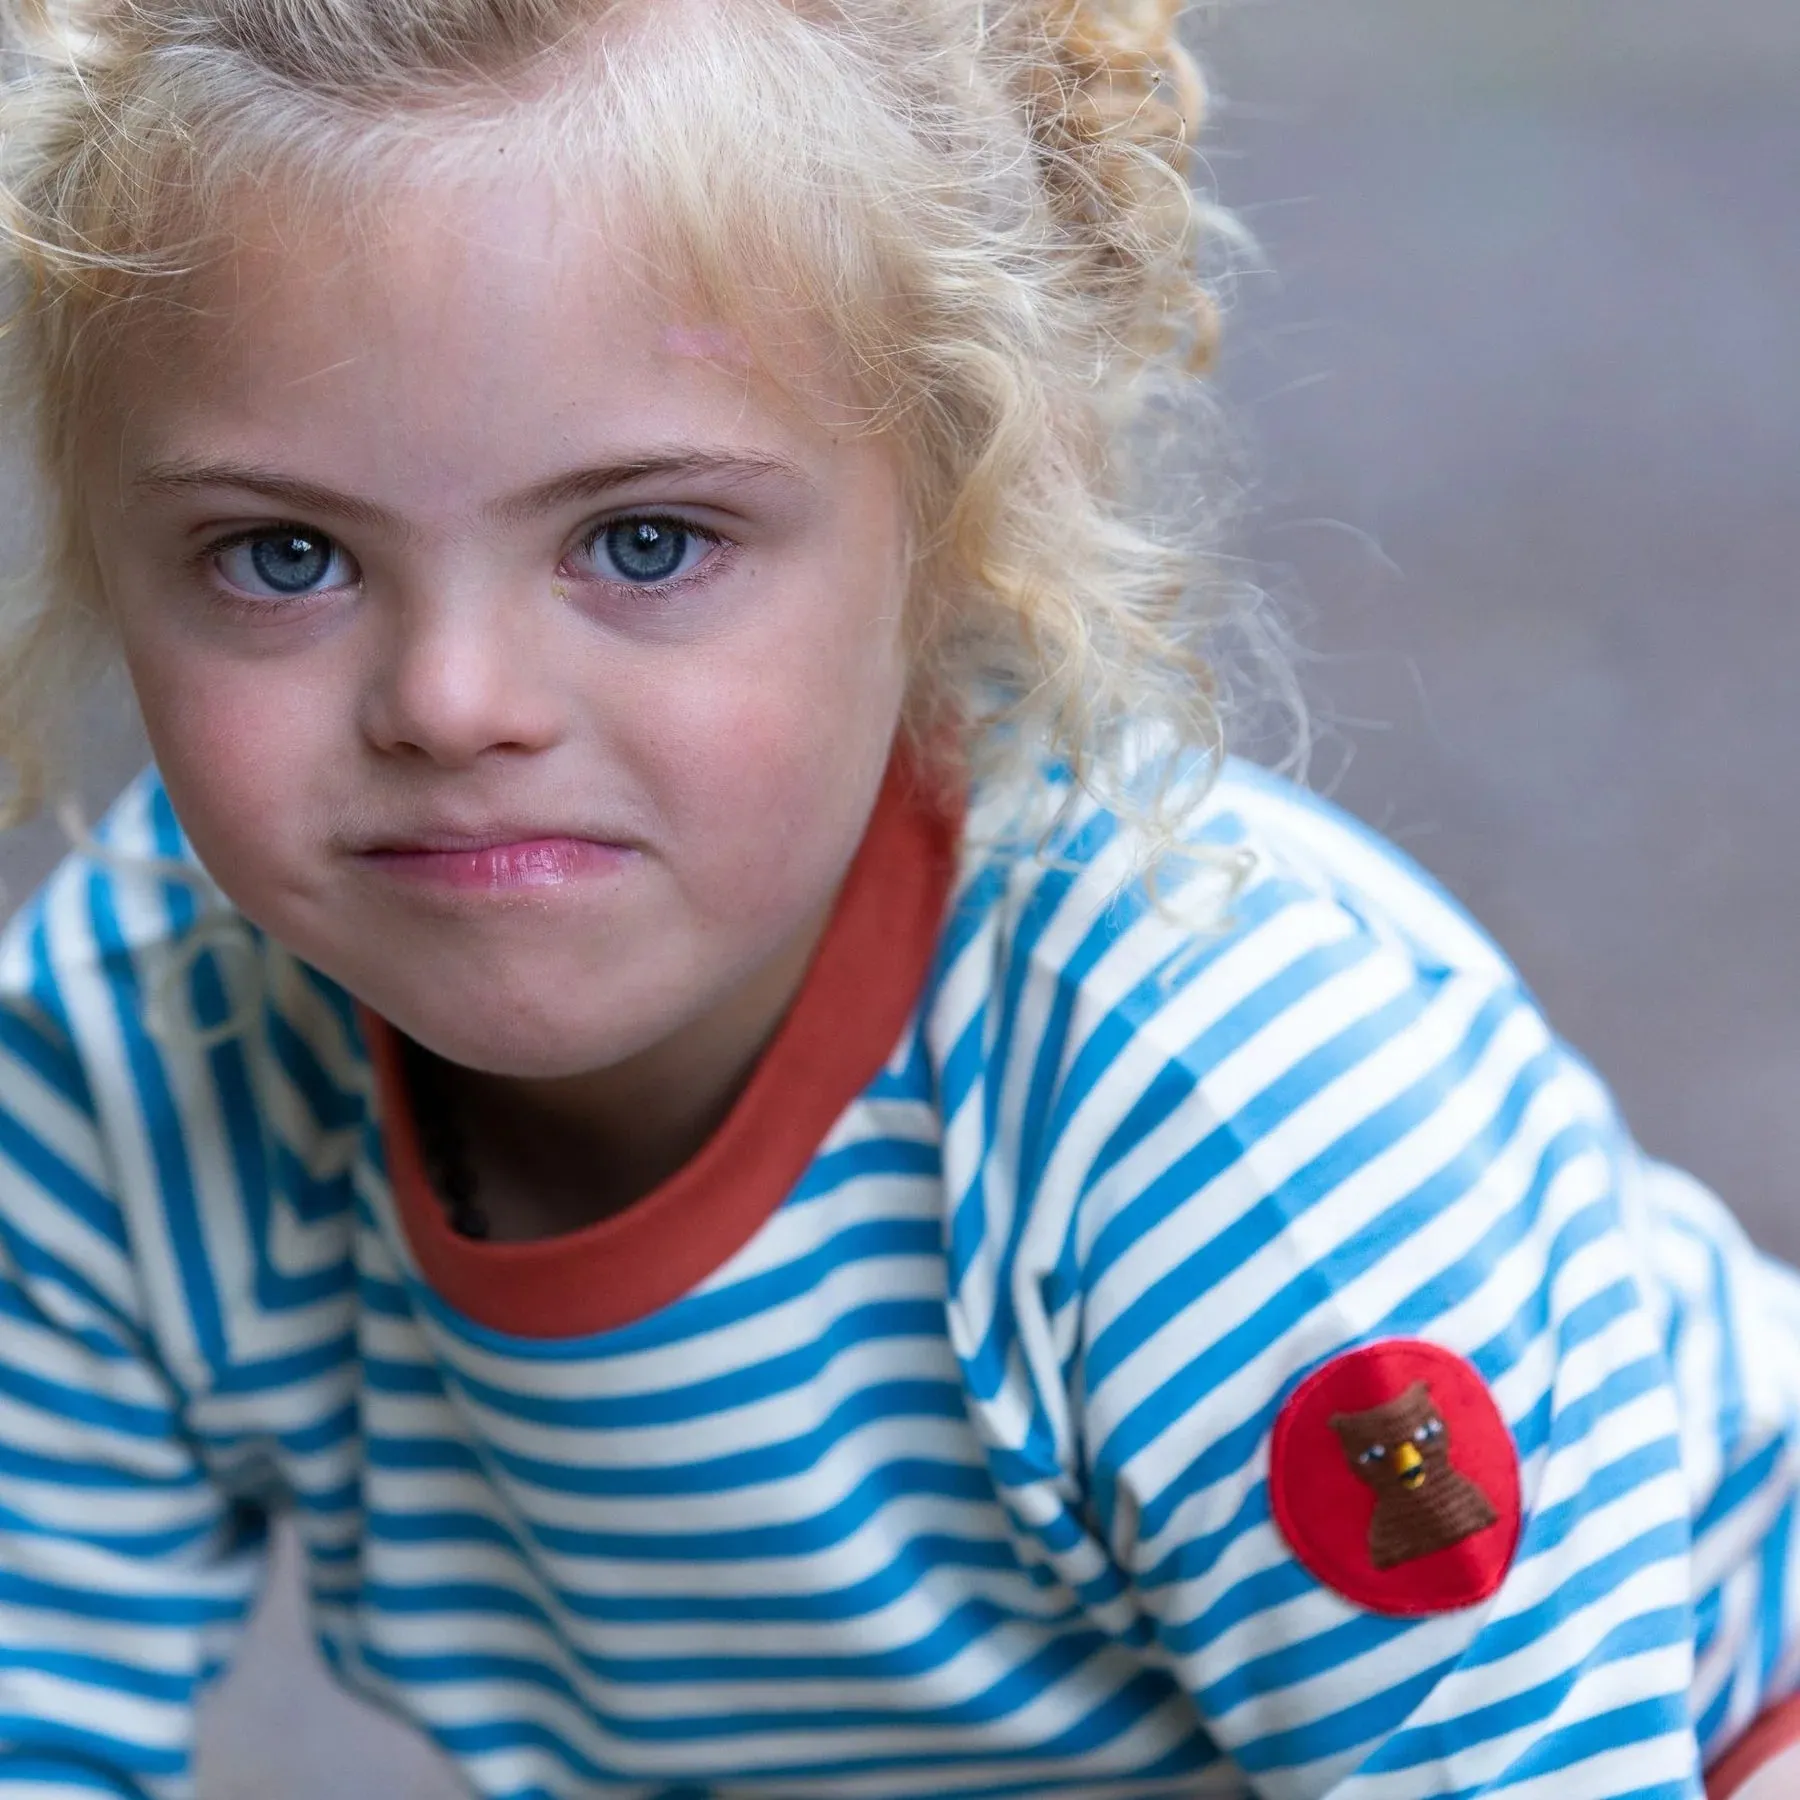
(753, 770)
(236, 759)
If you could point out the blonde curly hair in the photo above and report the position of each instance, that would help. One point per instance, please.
(986, 202)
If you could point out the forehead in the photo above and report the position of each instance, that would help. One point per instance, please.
(490, 310)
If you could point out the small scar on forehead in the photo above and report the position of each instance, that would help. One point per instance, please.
(708, 343)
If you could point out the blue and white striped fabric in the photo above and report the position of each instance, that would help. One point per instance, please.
(954, 1480)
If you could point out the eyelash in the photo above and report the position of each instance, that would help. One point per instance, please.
(262, 605)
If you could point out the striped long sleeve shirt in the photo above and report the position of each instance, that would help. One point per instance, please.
(995, 1408)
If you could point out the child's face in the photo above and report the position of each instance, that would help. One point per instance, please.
(545, 766)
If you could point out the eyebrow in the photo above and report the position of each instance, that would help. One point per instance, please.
(181, 475)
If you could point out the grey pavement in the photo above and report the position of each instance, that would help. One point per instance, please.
(1523, 397)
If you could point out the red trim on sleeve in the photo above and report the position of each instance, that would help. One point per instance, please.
(859, 992)
(1776, 1731)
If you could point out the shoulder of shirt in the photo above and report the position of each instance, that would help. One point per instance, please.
(116, 882)
(1084, 1040)
(1255, 846)
(1307, 840)
(161, 1062)
(133, 895)
(103, 906)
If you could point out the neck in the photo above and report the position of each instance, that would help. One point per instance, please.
(548, 1156)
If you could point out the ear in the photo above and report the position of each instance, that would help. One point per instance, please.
(1419, 1394)
(1343, 1424)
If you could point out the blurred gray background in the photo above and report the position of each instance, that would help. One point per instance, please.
(1522, 395)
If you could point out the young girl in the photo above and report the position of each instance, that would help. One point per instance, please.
(692, 1056)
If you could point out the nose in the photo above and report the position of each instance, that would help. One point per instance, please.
(458, 675)
(1409, 1465)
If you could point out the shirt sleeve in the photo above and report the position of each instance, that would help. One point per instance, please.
(125, 1571)
(1319, 1137)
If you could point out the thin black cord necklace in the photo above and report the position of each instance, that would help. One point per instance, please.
(442, 1143)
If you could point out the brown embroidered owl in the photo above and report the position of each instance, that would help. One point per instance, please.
(1422, 1504)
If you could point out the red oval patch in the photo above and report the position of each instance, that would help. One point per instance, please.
(1394, 1479)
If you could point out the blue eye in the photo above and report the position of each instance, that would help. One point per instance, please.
(289, 562)
(643, 552)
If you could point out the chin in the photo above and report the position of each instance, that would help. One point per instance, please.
(524, 1036)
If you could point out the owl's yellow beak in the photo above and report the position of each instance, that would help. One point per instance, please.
(1409, 1465)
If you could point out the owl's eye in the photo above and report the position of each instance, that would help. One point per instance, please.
(1426, 1432)
(1373, 1454)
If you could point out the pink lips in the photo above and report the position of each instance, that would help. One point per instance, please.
(536, 863)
